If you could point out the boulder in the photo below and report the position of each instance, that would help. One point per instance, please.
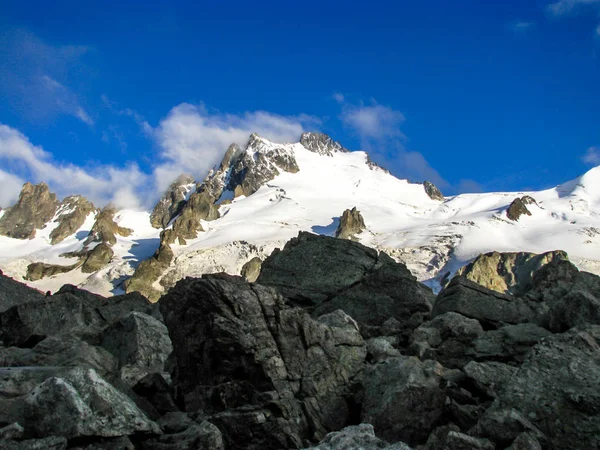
(356, 437)
(490, 377)
(446, 338)
(251, 269)
(63, 350)
(36, 207)
(12, 431)
(250, 350)
(198, 436)
(492, 309)
(351, 224)
(328, 274)
(14, 293)
(49, 443)
(556, 388)
(508, 273)
(403, 399)
(140, 343)
(509, 344)
(79, 404)
(155, 389)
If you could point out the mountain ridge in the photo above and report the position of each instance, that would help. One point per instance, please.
(260, 196)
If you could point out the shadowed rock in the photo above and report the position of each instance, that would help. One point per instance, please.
(71, 216)
(172, 202)
(36, 207)
(253, 352)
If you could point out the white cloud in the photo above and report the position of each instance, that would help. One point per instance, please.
(128, 112)
(378, 128)
(566, 7)
(521, 26)
(592, 156)
(192, 140)
(338, 97)
(189, 140)
(10, 186)
(35, 75)
(101, 184)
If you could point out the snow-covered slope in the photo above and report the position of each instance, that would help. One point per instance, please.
(432, 237)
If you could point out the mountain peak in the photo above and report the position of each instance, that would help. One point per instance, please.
(320, 143)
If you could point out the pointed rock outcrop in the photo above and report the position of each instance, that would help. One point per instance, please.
(105, 229)
(34, 209)
(173, 201)
(351, 224)
(321, 143)
(518, 207)
(70, 216)
(432, 191)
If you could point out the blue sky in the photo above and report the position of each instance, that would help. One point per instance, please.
(113, 99)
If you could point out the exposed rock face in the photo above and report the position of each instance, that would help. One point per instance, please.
(432, 191)
(36, 206)
(80, 404)
(321, 143)
(328, 274)
(357, 436)
(489, 307)
(351, 224)
(70, 217)
(400, 385)
(140, 343)
(251, 270)
(257, 165)
(251, 350)
(97, 258)
(171, 204)
(508, 273)
(12, 293)
(105, 229)
(39, 270)
(518, 207)
(557, 389)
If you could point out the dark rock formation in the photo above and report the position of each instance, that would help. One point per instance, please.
(36, 207)
(321, 143)
(518, 207)
(403, 399)
(489, 307)
(268, 371)
(105, 229)
(39, 270)
(172, 202)
(328, 274)
(432, 191)
(12, 293)
(508, 273)
(356, 437)
(557, 389)
(97, 258)
(251, 269)
(70, 217)
(257, 165)
(81, 403)
(140, 343)
(351, 224)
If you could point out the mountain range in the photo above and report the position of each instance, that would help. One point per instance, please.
(261, 196)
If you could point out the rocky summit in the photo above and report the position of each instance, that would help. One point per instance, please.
(334, 346)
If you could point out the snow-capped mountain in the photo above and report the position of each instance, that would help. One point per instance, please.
(261, 196)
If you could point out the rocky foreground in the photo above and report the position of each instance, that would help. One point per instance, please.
(334, 346)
